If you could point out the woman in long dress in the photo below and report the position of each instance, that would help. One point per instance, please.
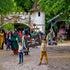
(14, 41)
(1, 39)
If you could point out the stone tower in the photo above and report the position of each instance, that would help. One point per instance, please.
(38, 17)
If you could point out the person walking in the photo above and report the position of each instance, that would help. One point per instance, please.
(52, 35)
(9, 36)
(25, 48)
(59, 35)
(43, 52)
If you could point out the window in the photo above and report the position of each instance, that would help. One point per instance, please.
(38, 13)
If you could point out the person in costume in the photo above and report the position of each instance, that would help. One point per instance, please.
(9, 36)
(3, 31)
(14, 41)
(25, 49)
(52, 35)
(59, 35)
(1, 39)
(33, 33)
(20, 34)
(43, 52)
(15, 31)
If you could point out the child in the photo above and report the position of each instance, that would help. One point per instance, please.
(20, 53)
(43, 52)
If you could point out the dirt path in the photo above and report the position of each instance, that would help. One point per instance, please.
(58, 58)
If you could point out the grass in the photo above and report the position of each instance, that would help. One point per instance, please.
(63, 41)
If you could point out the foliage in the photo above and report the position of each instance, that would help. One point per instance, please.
(63, 42)
(25, 5)
(55, 7)
(24, 26)
(11, 26)
(47, 27)
(8, 26)
(7, 6)
(51, 8)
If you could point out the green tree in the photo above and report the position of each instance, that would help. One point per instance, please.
(24, 5)
(55, 7)
(8, 26)
(7, 6)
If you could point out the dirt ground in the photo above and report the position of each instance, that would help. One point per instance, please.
(58, 58)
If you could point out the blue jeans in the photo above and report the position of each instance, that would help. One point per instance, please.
(9, 41)
(51, 40)
(20, 57)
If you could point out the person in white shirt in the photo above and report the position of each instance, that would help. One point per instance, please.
(20, 53)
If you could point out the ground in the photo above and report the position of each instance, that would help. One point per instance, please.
(58, 58)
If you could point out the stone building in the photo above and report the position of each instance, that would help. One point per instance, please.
(34, 17)
(38, 17)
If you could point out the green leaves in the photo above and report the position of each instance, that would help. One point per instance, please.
(8, 26)
(25, 5)
(6, 6)
(54, 7)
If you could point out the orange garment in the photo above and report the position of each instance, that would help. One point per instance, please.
(43, 51)
(45, 55)
(26, 36)
(1, 39)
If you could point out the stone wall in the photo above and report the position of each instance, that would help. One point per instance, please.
(26, 18)
(39, 20)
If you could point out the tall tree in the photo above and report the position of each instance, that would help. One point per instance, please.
(7, 6)
(54, 7)
(25, 5)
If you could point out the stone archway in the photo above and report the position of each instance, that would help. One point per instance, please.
(26, 18)
(21, 26)
(13, 26)
(16, 18)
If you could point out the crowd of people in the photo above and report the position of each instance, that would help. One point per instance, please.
(15, 40)
(12, 38)
(61, 35)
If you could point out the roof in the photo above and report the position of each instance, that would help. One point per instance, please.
(34, 28)
(35, 6)
(54, 18)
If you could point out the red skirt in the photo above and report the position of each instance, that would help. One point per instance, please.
(15, 51)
